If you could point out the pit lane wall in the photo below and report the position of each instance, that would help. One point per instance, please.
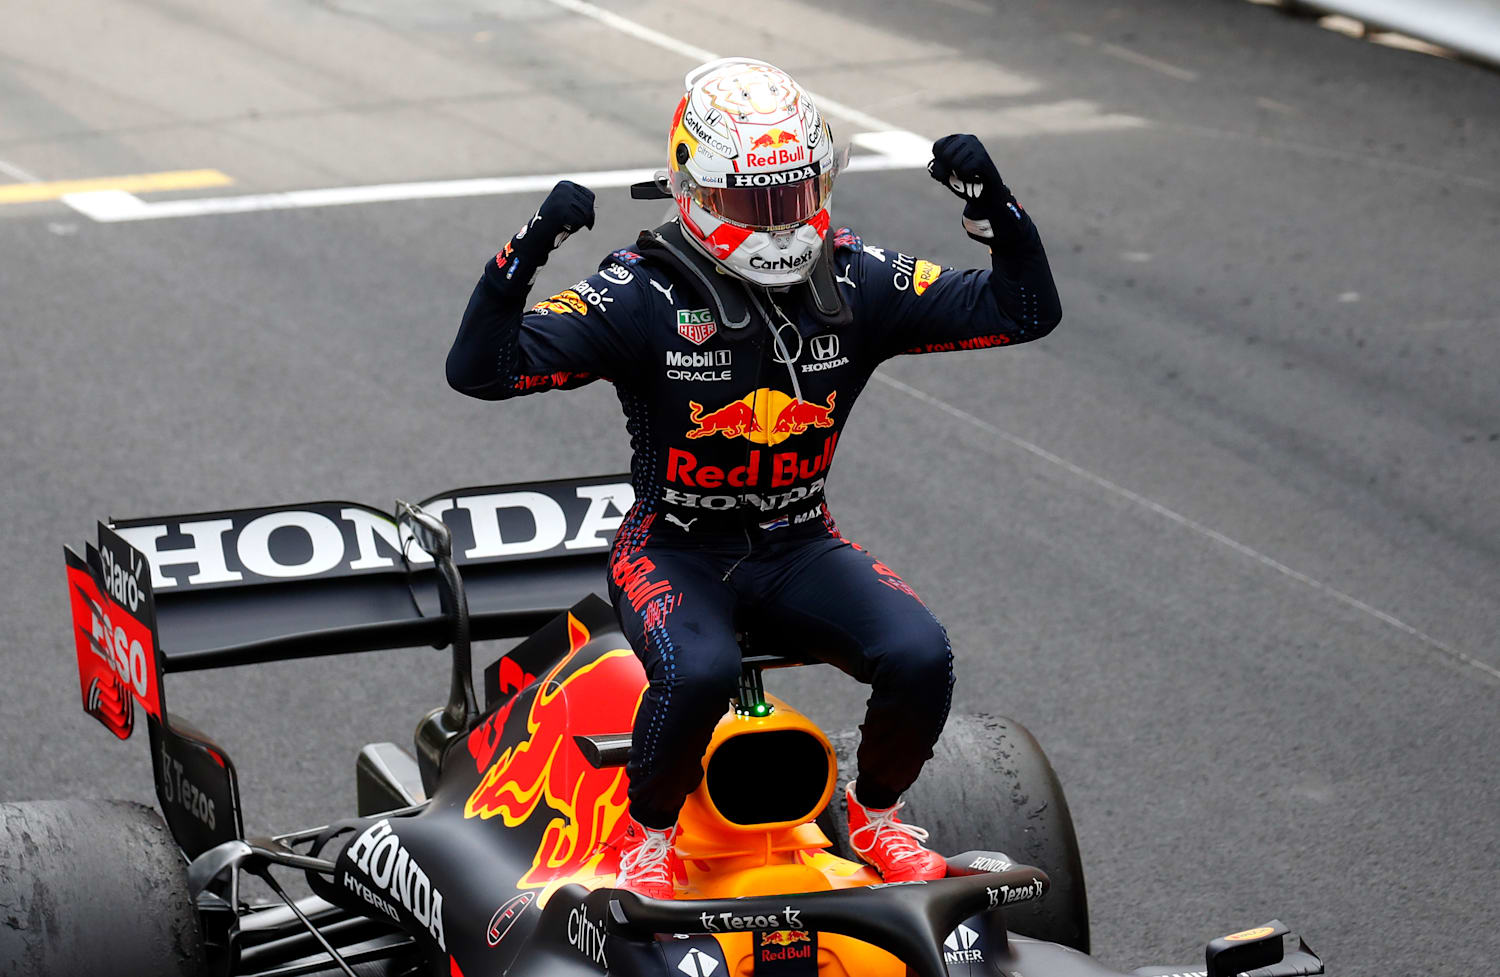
(1470, 27)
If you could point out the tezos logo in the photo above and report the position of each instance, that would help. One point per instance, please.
(788, 918)
(176, 787)
(1006, 894)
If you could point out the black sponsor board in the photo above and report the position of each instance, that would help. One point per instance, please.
(321, 540)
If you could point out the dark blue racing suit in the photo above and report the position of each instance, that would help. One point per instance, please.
(731, 452)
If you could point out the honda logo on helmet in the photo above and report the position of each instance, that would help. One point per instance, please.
(780, 178)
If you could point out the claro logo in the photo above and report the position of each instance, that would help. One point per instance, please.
(337, 539)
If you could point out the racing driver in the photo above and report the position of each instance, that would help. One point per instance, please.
(738, 335)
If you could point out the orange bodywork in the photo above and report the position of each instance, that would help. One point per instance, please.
(546, 776)
(725, 860)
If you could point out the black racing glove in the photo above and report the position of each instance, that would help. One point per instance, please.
(991, 215)
(567, 208)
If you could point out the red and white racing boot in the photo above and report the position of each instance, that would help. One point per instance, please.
(649, 865)
(893, 847)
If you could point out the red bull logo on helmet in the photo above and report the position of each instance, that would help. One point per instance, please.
(765, 417)
(545, 780)
(775, 147)
(774, 137)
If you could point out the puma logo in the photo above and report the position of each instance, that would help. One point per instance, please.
(667, 291)
(845, 278)
(684, 526)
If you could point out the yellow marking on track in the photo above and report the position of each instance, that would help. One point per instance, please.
(25, 193)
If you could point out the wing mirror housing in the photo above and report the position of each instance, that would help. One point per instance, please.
(441, 727)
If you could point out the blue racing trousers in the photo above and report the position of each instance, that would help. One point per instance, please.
(805, 588)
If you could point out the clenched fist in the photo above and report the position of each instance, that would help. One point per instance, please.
(991, 215)
(567, 208)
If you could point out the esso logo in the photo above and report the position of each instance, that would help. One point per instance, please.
(126, 655)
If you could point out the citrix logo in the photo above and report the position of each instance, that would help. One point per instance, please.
(587, 936)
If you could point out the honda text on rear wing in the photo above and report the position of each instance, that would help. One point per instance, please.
(182, 593)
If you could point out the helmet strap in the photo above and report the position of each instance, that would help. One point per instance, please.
(727, 294)
(825, 301)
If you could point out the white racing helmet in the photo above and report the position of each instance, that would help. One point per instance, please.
(752, 166)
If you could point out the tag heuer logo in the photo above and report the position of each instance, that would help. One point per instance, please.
(695, 325)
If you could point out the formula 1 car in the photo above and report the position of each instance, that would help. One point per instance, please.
(491, 849)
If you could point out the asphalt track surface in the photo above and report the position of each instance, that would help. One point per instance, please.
(1227, 541)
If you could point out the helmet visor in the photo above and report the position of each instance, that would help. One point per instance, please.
(766, 201)
(767, 207)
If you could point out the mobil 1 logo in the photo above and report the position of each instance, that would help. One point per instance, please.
(708, 364)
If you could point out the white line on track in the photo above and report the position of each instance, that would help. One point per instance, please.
(17, 173)
(700, 55)
(1134, 57)
(1114, 488)
(116, 206)
(968, 5)
(1146, 61)
(894, 148)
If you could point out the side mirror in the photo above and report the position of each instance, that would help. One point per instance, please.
(440, 728)
(427, 530)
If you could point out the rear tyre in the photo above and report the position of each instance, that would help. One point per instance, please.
(93, 887)
(989, 786)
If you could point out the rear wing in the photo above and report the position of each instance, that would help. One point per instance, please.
(325, 578)
(238, 587)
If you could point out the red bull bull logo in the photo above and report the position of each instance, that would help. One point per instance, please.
(765, 417)
(775, 147)
(784, 937)
(735, 420)
(584, 805)
(774, 137)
